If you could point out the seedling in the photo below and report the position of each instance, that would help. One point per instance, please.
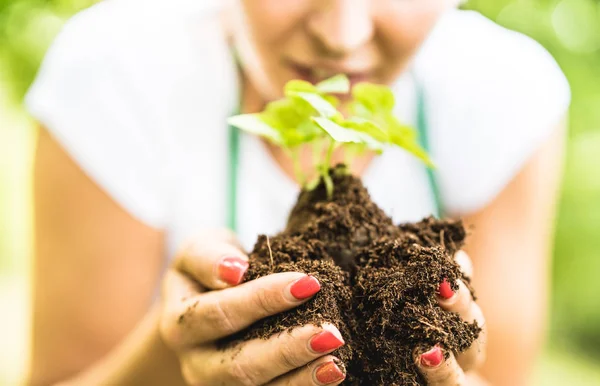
(380, 282)
(309, 115)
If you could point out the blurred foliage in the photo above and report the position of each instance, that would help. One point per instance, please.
(569, 29)
(27, 28)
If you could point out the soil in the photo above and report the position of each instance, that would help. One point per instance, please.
(379, 281)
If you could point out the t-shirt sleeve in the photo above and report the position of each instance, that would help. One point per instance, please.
(495, 96)
(86, 96)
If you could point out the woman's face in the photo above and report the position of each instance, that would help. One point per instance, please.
(369, 40)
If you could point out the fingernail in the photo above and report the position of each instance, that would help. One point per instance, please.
(328, 373)
(325, 341)
(445, 290)
(232, 269)
(305, 288)
(432, 358)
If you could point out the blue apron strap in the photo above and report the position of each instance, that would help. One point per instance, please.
(423, 131)
(234, 154)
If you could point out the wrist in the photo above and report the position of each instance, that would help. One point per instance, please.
(142, 358)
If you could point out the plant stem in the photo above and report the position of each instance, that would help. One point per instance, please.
(328, 184)
(300, 177)
(325, 170)
(329, 153)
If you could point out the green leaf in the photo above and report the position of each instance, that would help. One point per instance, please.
(373, 96)
(306, 132)
(294, 86)
(397, 129)
(308, 115)
(252, 123)
(291, 117)
(338, 84)
(318, 103)
(338, 132)
(311, 185)
(346, 135)
(358, 109)
(287, 113)
(331, 99)
(309, 128)
(368, 127)
(411, 146)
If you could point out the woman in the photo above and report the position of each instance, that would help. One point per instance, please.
(131, 173)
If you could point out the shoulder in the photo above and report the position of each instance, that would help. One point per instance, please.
(141, 35)
(475, 62)
(127, 78)
(494, 96)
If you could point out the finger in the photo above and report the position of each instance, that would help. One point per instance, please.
(465, 263)
(214, 259)
(438, 370)
(176, 291)
(176, 287)
(466, 266)
(216, 314)
(462, 303)
(474, 357)
(259, 361)
(324, 371)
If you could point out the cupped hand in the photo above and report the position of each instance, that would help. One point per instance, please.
(202, 302)
(440, 370)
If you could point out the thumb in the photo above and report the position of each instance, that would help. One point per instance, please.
(213, 259)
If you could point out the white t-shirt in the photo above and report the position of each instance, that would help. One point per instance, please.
(138, 94)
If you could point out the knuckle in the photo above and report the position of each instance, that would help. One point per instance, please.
(242, 374)
(471, 360)
(465, 300)
(170, 331)
(289, 357)
(184, 253)
(177, 326)
(267, 301)
(478, 315)
(195, 373)
(467, 360)
(217, 317)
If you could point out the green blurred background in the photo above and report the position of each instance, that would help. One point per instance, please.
(569, 29)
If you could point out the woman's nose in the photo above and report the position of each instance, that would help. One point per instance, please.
(341, 26)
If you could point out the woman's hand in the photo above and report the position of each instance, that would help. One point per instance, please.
(202, 302)
(460, 370)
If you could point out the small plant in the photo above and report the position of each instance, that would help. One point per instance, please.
(308, 114)
(379, 281)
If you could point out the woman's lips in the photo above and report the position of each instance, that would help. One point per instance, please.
(318, 73)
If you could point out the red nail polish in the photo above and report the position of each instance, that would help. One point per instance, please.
(325, 341)
(305, 287)
(329, 373)
(445, 290)
(433, 357)
(232, 269)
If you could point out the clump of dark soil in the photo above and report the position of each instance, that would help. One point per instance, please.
(379, 281)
